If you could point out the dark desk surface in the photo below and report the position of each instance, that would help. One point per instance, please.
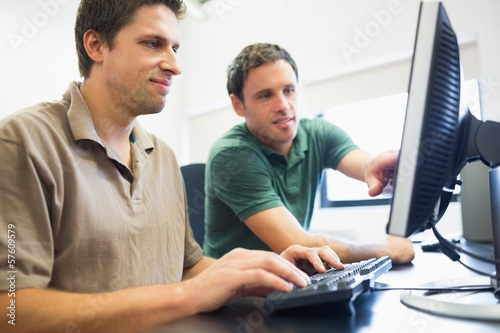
(379, 311)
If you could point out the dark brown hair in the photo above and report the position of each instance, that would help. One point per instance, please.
(107, 17)
(250, 57)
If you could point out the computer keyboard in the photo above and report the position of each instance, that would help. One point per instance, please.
(333, 286)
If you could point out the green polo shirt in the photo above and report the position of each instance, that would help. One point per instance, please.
(244, 177)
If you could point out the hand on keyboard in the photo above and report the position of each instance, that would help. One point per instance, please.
(313, 260)
(332, 286)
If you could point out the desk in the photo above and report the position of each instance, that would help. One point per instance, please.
(379, 311)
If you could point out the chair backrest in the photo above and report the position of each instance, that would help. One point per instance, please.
(194, 180)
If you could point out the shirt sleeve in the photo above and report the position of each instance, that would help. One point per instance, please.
(337, 143)
(243, 182)
(28, 248)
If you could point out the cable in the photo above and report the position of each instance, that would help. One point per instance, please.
(448, 246)
(474, 270)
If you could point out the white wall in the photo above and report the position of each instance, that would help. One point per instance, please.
(37, 58)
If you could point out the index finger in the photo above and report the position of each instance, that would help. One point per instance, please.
(329, 257)
(281, 267)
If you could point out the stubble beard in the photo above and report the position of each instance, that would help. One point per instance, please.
(137, 101)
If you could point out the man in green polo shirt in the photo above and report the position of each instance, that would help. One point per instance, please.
(262, 175)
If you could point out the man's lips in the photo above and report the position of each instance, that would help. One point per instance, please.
(283, 120)
(163, 85)
(163, 82)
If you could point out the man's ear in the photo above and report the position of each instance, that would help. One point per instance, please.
(93, 45)
(238, 105)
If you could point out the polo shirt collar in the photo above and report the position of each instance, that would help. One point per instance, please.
(141, 137)
(80, 120)
(82, 126)
(299, 146)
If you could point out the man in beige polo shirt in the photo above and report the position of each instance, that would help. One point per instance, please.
(93, 211)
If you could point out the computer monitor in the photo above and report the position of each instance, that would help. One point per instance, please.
(439, 138)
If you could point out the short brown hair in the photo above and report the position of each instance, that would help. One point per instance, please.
(107, 17)
(250, 57)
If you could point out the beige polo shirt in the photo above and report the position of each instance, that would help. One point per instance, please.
(83, 221)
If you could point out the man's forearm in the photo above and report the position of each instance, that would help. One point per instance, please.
(129, 310)
(347, 251)
(399, 249)
(279, 229)
(353, 252)
(199, 267)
